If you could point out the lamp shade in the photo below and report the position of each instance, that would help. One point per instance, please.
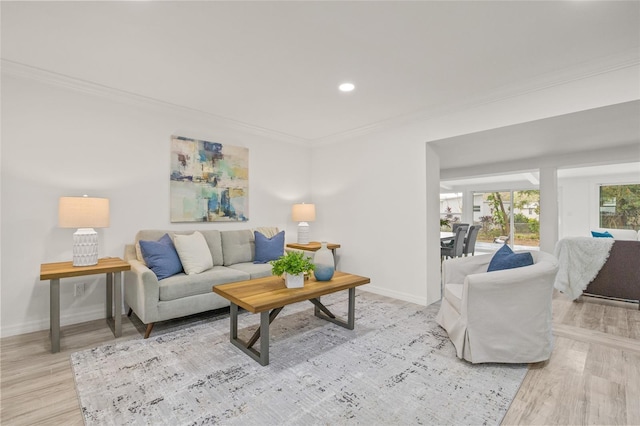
(83, 212)
(303, 212)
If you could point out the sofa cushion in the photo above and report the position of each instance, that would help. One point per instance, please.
(237, 246)
(161, 257)
(211, 236)
(194, 253)
(181, 285)
(149, 235)
(268, 249)
(214, 242)
(255, 270)
(267, 231)
(505, 258)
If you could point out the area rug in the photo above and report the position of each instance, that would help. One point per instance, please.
(396, 367)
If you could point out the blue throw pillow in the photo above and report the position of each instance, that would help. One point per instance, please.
(505, 258)
(268, 249)
(604, 234)
(161, 257)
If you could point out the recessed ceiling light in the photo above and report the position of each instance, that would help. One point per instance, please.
(346, 87)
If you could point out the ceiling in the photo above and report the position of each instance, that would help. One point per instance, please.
(275, 66)
(530, 180)
(588, 130)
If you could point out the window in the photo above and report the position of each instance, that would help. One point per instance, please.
(450, 209)
(512, 216)
(619, 206)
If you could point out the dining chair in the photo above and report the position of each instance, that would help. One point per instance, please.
(449, 242)
(470, 240)
(458, 224)
(455, 250)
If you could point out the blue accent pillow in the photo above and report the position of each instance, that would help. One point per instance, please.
(604, 234)
(161, 257)
(268, 249)
(505, 258)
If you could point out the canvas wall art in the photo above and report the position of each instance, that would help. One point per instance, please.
(209, 181)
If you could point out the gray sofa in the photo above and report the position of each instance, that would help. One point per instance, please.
(233, 253)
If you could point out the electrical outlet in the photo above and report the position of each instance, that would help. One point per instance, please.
(79, 290)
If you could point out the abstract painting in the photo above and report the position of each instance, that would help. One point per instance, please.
(209, 181)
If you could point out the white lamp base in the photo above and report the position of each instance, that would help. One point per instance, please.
(303, 233)
(85, 247)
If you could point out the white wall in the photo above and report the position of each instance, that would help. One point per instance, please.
(377, 195)
(369, 195)
(374, 201)
(579, 198)
(60, 142)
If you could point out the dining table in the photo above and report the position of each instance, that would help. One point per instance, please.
(444, 236)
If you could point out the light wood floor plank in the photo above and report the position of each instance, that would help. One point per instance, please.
(593, 376)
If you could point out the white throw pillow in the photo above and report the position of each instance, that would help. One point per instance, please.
(194, 253)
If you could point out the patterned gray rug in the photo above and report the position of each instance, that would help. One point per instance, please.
(396, 367)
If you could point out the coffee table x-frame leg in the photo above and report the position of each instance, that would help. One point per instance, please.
(267, 318)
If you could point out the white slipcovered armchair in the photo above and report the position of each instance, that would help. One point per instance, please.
(501, 316)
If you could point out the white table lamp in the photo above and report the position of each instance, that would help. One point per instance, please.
(303, 213)
(84, 213)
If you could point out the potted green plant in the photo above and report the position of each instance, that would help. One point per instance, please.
(293, 265)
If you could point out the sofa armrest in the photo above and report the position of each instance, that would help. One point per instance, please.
(142, 291)
(130, 252)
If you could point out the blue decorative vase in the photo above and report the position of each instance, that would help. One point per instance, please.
(325, 265)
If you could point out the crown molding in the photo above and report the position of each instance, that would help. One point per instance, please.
(604, 65)
(560, 77)
(26, 72)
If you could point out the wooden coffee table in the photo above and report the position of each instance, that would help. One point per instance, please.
(267, 296)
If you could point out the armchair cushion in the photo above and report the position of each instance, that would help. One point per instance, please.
(453, 293)
(505, 258)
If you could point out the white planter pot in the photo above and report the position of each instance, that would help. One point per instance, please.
(294, 281)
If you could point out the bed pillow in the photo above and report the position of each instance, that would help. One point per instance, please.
(194, 253)
(505, 258)
(161, 257)
(268, 249)
(604, 234)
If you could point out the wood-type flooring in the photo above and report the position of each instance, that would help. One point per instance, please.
(593, 376)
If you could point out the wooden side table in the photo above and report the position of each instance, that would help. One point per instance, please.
(314, 246)
(112, 266)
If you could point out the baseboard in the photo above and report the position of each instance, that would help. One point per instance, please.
(99, 312)
(395, 294)
(43, 324)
